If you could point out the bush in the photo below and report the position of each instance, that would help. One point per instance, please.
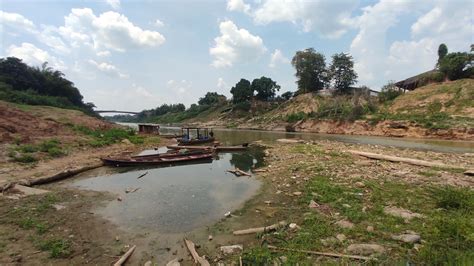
(389, 92)
(243, 106)
(295, 117)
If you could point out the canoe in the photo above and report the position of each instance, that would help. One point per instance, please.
(170, 136)
(156, 160)
(217, 148)
(195, 141)
(169, 154)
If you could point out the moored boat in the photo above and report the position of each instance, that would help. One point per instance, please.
(216, 148)
(170, 154)
(157, 160)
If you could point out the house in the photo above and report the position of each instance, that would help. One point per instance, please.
(149, 129)
(420, 80)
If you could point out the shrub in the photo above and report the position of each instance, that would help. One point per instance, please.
(389, 92)
(295, 117)
(243, 106)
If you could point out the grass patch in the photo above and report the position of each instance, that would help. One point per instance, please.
(106, 137)
(57, 248)
(28, 153)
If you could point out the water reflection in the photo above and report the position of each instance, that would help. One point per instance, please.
(175, 199)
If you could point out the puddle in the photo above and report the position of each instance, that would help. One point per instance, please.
(174, 199)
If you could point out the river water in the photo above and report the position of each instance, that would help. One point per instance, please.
(182, 198)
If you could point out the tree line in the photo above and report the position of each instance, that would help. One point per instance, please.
(38, 85)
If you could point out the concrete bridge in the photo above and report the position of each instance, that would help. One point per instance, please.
(116, 111)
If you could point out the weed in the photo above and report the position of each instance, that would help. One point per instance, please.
(295, 117)
(57, 248)
(25, 158)
(451, 198)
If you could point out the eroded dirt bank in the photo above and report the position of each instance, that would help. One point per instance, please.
(337, 203)
(399, 129)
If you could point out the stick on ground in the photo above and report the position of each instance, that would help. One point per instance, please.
(142, 175)
(402, 159)
(197, 259)
(125, 256)
(260, 229)
(328, 254)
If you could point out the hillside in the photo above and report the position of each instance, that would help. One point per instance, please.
(441, 110)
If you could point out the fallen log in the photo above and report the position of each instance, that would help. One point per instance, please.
(239, 172)
(469, 172)
(197, 259)
(401, 159)
(328, 254)
(59, 176)
(260, 229)
(125, 256)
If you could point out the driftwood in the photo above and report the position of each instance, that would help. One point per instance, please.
(469, 172)
(197, 259)
(174, 262)
(125, 256)
(260, 229)
(259, 170)
(131, 190)
(239, 172)
(59, 176)
(402, 159)
(328, 254)
(142, 175)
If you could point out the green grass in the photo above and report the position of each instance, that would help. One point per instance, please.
(57, 248)
(109, 136)
(447, 229)
(28, 153)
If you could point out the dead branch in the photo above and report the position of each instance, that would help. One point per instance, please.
(336, 255)
(197, 259)
(125, 256)
(260, 229)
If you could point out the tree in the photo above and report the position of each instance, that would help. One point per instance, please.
(242, 91)
(287, 95)
(265, 88)
(456, 65)
(310, 70)
(389, 92)
(342, 72)
(212, 98)
(442, 52)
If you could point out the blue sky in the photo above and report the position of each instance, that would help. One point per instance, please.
(131, 55)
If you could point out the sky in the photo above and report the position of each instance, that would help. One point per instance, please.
(139, 54)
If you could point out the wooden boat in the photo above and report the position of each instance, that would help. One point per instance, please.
(202, 135)
(156, 160)
(170, 136)
(169, 154)
(216, 148)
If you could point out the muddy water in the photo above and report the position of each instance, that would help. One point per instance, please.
(232, 136)
(174, 199)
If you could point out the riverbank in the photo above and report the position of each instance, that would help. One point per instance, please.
(351, 205)
(335, 202)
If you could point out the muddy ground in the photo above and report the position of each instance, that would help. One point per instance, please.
(336, 201)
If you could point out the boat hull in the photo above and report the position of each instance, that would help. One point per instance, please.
(119, 162)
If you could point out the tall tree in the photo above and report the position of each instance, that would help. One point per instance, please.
(242, 91)
(342, 72)
(310, 70)
(265, 88)
(212, 98)
(456, 65)
(442, 52)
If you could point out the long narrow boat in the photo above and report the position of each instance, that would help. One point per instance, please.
(156, 160)
(217, 148)
(195, 141)
(170, 154)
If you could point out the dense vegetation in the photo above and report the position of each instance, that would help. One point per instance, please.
(24, 84)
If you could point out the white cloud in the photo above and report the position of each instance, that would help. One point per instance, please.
(238, 5)
(109, 30)
(377, 61)
(221, 84)
(108, 69)
(276, 58)
(16, 21)
(103, 53)
(115, 4)
(33, 55)
(329, 18)
(235, 45)
(158, 23)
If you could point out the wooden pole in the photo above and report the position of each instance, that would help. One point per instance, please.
(402, 159)
(125, 256)
(328, 254)
(197, 259)
(260, 229)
